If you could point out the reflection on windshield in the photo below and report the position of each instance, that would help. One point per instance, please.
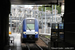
(30, 26)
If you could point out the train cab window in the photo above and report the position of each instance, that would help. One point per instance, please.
(61, 35)
(30, 24)
(61, 26)
(54, 26)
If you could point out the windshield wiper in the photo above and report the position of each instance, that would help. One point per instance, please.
(29, 28)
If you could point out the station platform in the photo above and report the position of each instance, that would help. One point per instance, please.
(44, 33)
(17, 43)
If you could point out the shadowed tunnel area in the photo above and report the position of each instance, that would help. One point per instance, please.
(69, 20)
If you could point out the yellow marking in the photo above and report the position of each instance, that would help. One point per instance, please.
(9, 32)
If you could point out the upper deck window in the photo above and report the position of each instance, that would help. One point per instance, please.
(30, 24)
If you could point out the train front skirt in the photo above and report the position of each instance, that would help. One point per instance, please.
(32, 37)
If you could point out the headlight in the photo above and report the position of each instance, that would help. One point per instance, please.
(56, 27)
(24, 32)
(36, 32)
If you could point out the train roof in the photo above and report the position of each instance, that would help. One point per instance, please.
(30, 18)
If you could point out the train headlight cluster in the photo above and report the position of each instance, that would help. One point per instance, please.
(36, 32)
(56, 27)
(24, 32)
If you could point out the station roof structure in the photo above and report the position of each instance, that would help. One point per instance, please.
(48, 16)
(34, 2)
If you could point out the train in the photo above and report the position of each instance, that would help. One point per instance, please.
(29, 29)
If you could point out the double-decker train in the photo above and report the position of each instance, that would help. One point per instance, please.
(30, 29)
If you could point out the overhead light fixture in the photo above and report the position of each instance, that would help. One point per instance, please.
(30, 20)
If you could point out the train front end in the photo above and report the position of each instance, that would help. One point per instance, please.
(30, 29)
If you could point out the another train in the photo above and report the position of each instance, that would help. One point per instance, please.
(30, 29)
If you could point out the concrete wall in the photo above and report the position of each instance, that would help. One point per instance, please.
(4, 23)
(69, 22)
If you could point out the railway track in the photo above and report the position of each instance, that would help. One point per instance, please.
(33, 46)
(38, 45)
(44, 39)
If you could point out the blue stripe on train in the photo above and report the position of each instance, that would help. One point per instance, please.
(36, 26)
(24, 36)
(24, 28)
(36, 36)
(24, 25)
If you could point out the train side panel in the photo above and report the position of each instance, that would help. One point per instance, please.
(36, 28)
(24, 28)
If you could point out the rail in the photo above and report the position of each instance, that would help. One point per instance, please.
(37, 46)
